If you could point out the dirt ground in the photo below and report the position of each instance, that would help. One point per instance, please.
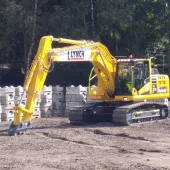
(54, 144)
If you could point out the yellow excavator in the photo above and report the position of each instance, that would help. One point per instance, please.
(127, 90)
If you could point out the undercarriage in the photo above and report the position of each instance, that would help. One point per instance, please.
(118, 113)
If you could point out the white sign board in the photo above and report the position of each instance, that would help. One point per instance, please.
(82, 54)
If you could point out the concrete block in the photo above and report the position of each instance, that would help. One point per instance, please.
(19, 90)
(56, 105)
(75, 98)
(8, 89)
(46, 101)
(57, 100)
(72, 104)
(7, 94)
(47, 88)
(76, 90)
(45, 115)
(22, 96)
(57, 95)
(57, 114)
(46, 96)
(58, 110)
(6, 102)
(7, 97)
(57, 89)
(45, 108)
(36, 109)
(46, 92)
(8, 115)
(47, 112)
(23, 103)
(7, 108)
(36, 113)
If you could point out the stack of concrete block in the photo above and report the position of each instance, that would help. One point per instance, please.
(21, 97)
(75, 96)
(46, 102)
(57, 101)
(52, 101)
(7, 103)
(37, 112)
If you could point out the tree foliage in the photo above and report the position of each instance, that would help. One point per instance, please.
(124, 26)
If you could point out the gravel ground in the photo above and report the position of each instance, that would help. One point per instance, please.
(54, 144)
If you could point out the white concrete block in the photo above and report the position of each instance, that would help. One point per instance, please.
(46, 95)
(46, 101)
(23, 103)
(47, 88)
(45, 108)
(7, 102)
(58, 112)
(58, 95)
(19, 90)
(57, 89)
(36, 109)
(45, 115)
(76, 90)
(22, 96)
(46, 112)
(75, 98)
(56, 105)
(46, 91)
(6, 108)
(7, 115)
(71, 104)
(57, 100)
(7, 97)
(36, 114)
(8, 89)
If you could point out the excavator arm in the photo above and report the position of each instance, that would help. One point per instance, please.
(104, 65)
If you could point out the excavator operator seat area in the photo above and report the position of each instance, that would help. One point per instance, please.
(131, 74)
(141, 74)
(124, 78)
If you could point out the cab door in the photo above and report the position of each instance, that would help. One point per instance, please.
(142, 77)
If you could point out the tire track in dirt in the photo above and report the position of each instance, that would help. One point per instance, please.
(152, 150)
(100, 132)
(88, 144)
(141, 151)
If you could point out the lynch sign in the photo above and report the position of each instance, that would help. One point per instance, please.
(76, 55)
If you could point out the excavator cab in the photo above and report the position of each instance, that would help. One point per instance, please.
(124, 78)
(131, 73)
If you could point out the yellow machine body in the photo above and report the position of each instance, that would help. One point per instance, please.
(106, 68)
(96, 53)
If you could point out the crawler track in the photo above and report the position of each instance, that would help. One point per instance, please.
(128, 114)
